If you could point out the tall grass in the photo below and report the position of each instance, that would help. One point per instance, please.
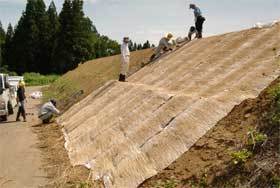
(36, 79)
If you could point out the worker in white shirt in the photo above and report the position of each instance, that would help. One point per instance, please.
(48, 110)
(163, 47)
(125, 57)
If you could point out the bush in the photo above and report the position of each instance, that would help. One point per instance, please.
(36, 79)
(240, 157)
(275, 92)
(256, 137)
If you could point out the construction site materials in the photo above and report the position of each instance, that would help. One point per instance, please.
(127, 137)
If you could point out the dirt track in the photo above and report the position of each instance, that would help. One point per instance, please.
(20, 160)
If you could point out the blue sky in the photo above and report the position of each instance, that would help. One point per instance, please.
(151, 19)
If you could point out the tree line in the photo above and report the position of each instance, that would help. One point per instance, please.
(46, 42)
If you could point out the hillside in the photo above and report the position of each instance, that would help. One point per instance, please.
(129, 132)
(90, 76)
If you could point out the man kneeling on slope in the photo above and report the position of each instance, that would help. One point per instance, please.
(47, 111)
(164, 46)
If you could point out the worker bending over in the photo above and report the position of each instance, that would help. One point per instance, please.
(125, 57)
(199, 20)
(164, 46)
(48, 110)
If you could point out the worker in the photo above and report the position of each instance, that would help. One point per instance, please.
(20, 101)
(125, 57)
(199, 20)
(48, 110)
(164, 46)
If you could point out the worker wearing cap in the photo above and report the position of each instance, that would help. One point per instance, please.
(48, 110)
(199, 20)
(163, 45)
(20, 101)
(125, 57)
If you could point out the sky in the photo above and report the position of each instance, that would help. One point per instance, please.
(143, 20)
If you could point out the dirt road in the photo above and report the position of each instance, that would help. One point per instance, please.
(20, 160)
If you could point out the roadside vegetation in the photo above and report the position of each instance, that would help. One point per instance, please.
(36, 79)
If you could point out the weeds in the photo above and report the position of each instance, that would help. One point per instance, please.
(276, 182)
(240, 157)
(84, 185)
(36, 79)
(256, 138)
(60, 90)
(275, 93)
(171, 183)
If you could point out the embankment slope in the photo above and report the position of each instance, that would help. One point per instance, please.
(128, 132)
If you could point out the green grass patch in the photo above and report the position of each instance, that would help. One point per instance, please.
(36, 79)
(240, 157)
(62, 90)
(256, 137)
(275, 93)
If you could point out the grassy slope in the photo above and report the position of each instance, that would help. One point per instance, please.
(91, 75)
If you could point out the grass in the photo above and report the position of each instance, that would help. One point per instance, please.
(240, 157)
(275, 93)
(256, 137)
(36, 79)
(171, 183)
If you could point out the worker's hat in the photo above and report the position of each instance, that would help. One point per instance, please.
(192, 5)
(53, 101)
(21, 83)
(169, 35)
(126, 39)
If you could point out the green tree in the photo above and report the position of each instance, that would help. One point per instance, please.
(2, 43)
(24, 41)
(74, 36)
(139, 47)
(54, 28)
(63, 56)
(42, 43)
(134, 46)
(30, 39)
(8, 45)
(146, 45)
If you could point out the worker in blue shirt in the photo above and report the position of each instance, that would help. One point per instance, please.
(199, 20)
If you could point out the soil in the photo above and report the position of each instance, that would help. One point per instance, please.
(209, 163)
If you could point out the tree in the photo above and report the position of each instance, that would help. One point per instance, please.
(2, 42)
(146, 45)
(74, 36)
(30, 39)
(63, 53)
(47, 43)
(43, 42)
(134, 46)
(53, 29)
(8, 45)
(139, 47)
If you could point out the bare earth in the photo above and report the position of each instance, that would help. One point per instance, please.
(20, 160)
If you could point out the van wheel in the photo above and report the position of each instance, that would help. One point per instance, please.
(10, 108)
(4, 118)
